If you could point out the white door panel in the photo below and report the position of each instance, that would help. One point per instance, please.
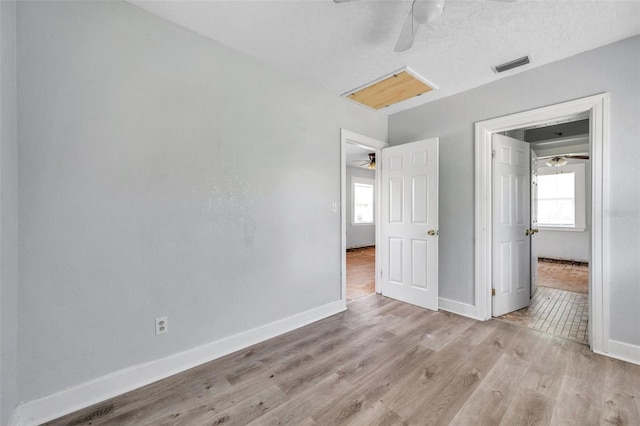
(512, 250)
(409, 210)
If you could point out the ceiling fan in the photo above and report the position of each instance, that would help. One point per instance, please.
(561, 160)
(422, 12)
(371, 163)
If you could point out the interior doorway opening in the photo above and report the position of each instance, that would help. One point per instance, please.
(360, 221)
(405, 217)
(559, 233)
(597, 107)
(359, 157)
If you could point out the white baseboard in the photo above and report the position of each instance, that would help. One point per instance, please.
(100, 389)
(623, 351)
(459, 308)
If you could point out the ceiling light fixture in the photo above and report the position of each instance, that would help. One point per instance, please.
(372, 161)
(556, 162)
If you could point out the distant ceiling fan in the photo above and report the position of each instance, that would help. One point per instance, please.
(371, 163)
(561, 160)
(422, 12)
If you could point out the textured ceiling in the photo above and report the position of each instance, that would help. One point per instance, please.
(344, 46)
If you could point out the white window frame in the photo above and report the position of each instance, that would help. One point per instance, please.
(362, 181)
(579, 196)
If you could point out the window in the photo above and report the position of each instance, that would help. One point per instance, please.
(363, 202)
(562, 197)
(557, 200)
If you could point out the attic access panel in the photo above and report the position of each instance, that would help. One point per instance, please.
(389, 90)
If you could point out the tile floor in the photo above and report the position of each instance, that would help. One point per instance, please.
(557, 310)
(361, 265)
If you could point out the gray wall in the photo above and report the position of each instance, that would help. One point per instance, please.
(614, 68)
(567, 245)
(359, 235)
(161, 173)
(8, 213)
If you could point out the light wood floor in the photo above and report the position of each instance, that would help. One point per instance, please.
(383, 362)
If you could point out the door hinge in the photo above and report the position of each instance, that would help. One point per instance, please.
(493, 291)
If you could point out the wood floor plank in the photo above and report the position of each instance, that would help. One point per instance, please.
(444, 332)
(383, 362)
(440, 385)
(467, 375)
(576, 403)
(240, 413)
(620, 404)
(302, 406)
(534, 399)
(377, 415)
(371, 386)
(490, 401)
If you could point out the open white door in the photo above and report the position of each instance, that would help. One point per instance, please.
(534, 222)
(409, 223)
(511, 220)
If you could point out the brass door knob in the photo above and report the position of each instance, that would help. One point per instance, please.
(433, 232)
(528, 232)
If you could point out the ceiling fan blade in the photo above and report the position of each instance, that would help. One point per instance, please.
(579, 157)
(408, 33)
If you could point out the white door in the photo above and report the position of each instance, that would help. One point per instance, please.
(534, 222)
(511, 220)
(409, 223)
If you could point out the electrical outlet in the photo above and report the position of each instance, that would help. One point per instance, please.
(162, 325)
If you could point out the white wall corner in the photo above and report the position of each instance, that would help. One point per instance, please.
(62, 403)
(459, 308)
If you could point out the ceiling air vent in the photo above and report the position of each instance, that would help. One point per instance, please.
(511, 64)
(390, 89)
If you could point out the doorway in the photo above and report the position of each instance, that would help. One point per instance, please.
(405, 216)
(360, 222)
(559, 229)
(360, 231)
(596, 108)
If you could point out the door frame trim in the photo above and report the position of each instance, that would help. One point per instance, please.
(598, 108)
(347, 136)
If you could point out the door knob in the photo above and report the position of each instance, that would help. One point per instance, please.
(433, 232)
(528, 232)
